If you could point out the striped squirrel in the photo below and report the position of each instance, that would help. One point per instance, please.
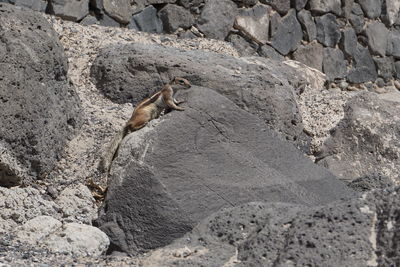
(147, 110)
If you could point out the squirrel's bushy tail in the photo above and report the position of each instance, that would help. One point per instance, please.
(111, 152)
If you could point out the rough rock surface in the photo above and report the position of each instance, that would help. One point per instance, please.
(390, 12)
(37, 5)
(364, 69)
(77, 239)
(377, 35)
(175, 17)
(288, 34)
(361, 232)
(40, 108)
(141, 69)
(217, 18)
(147, 21)
(348, 42)
(244, 46)
(394, 43)
(326, 6)
(372, 8)
(366, 140)
(172, 191)
(282, 6)
(120, 10)
(311, 55)
(74, 10)
(254, 22)
(308, 25)
(18, 205)
(334, 64)
(328, 32)
(268, 51)
(385, 67)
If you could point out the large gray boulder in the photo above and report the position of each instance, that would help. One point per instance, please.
(366, 140)
(261, 86)
(168, 177)
(360, 232)
(74, 10)
(217, 18)
(40, 108)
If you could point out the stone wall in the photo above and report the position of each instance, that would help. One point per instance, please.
(351, 41)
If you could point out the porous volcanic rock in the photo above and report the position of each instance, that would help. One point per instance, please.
(261, 86)
(360, 232)
(40, 108)
(50, 234)
(189, 164)
(366, 140)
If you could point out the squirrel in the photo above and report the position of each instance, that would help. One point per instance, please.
(147, 110)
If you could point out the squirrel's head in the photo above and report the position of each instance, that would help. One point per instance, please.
(180, 83)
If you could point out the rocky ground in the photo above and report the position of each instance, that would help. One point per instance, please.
(320, 108)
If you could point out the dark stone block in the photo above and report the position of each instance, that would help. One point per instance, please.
(147, 21)
(363, 69)
(334, 64)
(308, 25)
(217, 18)
(348, 42)
(310, 55)
(282, 6)
(174, 17)
(377, 35)
(372, 8)
(385, 67)
(328, 32)
(288, 34)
